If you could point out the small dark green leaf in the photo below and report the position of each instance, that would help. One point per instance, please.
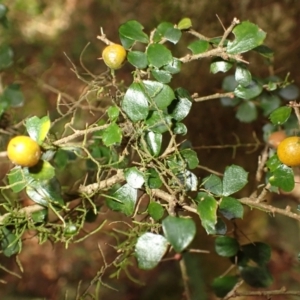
(18, 179)
(189, 180)
(154, 141)
(243, 75)
(184, 24)
(226, 246)
(10, 243)
(264, 51)
(180, 107)
(229, 83)
(246, 112)
(227, 101)
(173, 35)
(198, 46)
(112, 135)
(223, 285)
(235, 178)
(158, 55)
(269, 102)
(220, 65)
(179, 232)
(3, 11)
(158, 122)
(231, 208)
(135, 102)
(138, 59)
(290, 92)
(161, 30)
(153, 179)
(191, 158)
(173, 67)
(6, 57)
(213, 184)
(133, 30)
(248, 92)
(258, 252)
(161, 75)
(13, 95)
(155, 210)
(257, 277)
(280, 115)
(149, 250)
(38, 128)
(134, 177)
(113, 113)
(180, 128)
(283, 177)
(247, 37)
(42, 171)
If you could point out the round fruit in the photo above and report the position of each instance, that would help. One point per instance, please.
(288, 151)
(275, 138)
(23, 151)
(114, 56)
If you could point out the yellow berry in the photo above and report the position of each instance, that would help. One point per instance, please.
(114, 56)
(288, 151)
(23, 151)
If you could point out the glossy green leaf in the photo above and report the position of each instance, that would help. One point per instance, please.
(181, 106)
(161, 30)
(184, 24)
(273, 162)
(9, 242)
(150, 249)
(258, 252)
(220, 65)
(179, 232)
(264, 51)
(231, 208)
(135, 102)
(138, 59)
(248, 92)
(6, 57)
(18, 179)
(257, 277)
(113, 113)
(223, 285)
(160, 94)
(189, 180)
(153, 179)
(247, 37)
(134, 177)
(180, 128)
(133, 30)
(112, 135)
(161, 75)
(213, 184)
(207, 209)
(235, 178)
(242, 75)
(155, 210)
(45, 192)
(226, 246)
(229, 83)
(13, 95)
(198, 46)
(173, 67)
(123, 199)
(280, 115)
(290, 92)
(158, 122)
(154, 141)
(42, 171)
(283, 177)
(269, 102)
(191, 158)
(173, 35)
(220, 227)
(38, 128)
(246, 112)
(158, 55)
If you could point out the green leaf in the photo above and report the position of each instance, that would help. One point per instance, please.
(184, 24)
(231, 208)
(180, 107)
(160, 94)
(290, 92)
(264, 51)
(153, 179)
(280, 115)
(154, 141)
(133, 30)
(158, 55)
(283, 177)
(269, 102)
(247, 37)
(138, 59)
(226, 246)
(173, 35)
(45, 192)
(180, 128)
(258, 252)
(6, 57)
(173, 67)
(235, 178)
(13, 95)
(198, 46)
(273, 162)
(220, 65)
(38, 128)
(248, 92)
(135, 102)
(155, 210)
(18, 179)
(207, 209)
(191, 158)
(220, 227)
(3, 11)
(113, 113)
(242, 75)
(161, 30)
(150, 249)
(246, 112)
(223, 285)
(42, 171)
(9, 242)
(189, 180)
(134, 177)
(213, 184)
(112, 135)
(158, 122)
(39, 216)
(179, 232)
(161, 75)
(257, 277)
(229, 83)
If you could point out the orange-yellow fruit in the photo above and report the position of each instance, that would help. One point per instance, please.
(23, 151)
(276, 138)
(114, 56)
(288, 151)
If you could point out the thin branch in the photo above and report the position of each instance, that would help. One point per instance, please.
(215, 96)
(228, 31)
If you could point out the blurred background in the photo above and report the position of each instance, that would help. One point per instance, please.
(43, 33)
